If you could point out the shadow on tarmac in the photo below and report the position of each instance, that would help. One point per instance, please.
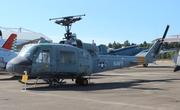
(100, 86)
(11, 78)
(155, 67)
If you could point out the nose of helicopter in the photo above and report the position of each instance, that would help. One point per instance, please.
(18, 65)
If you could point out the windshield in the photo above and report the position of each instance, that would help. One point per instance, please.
(28, 50)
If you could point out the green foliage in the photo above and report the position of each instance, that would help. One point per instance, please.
(166, 45)
(126, 43)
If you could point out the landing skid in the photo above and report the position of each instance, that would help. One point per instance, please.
(30, 83)
(54, 82)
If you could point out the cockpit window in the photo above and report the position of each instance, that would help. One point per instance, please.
(43, 57)
(28, 51)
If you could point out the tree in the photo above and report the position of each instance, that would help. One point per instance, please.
(114, 45)
(110, 45)
(126, 43)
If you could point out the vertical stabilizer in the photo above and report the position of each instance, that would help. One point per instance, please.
(10, 42)
(154, 50)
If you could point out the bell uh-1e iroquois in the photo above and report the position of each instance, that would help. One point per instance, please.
(71, 58)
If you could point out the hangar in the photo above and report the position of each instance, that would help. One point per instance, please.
(24, 36)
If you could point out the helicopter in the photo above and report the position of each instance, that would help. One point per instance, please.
(72, 58)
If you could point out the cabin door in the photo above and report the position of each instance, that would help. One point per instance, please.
(42, 64)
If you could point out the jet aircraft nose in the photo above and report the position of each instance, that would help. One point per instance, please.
(18, 65)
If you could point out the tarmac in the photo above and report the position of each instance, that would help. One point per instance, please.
(155, 87)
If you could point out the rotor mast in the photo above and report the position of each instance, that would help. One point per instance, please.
(67, 22)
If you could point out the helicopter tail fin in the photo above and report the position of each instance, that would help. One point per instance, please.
(154, 50)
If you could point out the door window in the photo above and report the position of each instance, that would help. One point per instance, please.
(43, 57)
(67, 57)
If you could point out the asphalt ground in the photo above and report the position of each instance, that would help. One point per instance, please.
(156, 87)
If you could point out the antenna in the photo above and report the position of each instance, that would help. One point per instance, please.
(67, 22)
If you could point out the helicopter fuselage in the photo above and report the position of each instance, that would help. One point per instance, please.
(63, 60)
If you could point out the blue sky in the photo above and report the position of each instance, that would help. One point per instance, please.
(106, 21)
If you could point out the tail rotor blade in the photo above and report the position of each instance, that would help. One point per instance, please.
(165, 32)
(164, 35)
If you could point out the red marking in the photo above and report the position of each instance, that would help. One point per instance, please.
(9, 42)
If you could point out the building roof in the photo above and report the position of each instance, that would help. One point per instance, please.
(25, 35)
(22, 34)
(169, 39)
